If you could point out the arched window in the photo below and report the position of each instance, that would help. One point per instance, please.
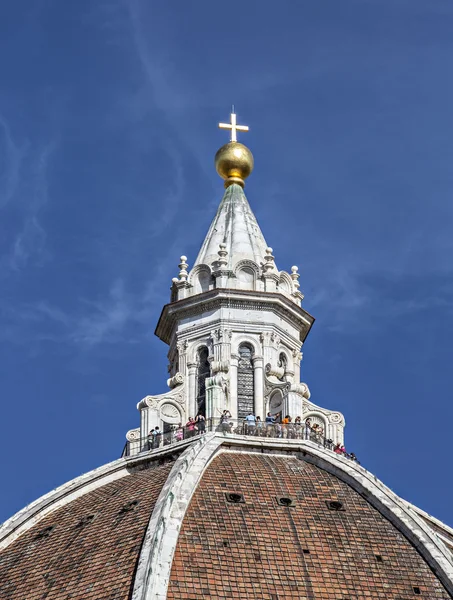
(276, 402)
(246, 278)
(246, 386)
(204, 370)
(202, 281)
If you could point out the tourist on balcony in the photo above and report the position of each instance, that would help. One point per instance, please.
(270, 422)
(225, 425)
(314, 432)
(191, 428)
(155, 437)
(287, 427)
(307, 428)
(250, 424)
(298, 427)
(179, 433)
(201, 423)
(320, 434)
(328, 443)
(259, 426)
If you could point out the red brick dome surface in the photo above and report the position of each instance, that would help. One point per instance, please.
(87, 549)
(259, 548)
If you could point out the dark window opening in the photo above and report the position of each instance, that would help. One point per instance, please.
(128, 507)
(417, 591)
(334, 505)
(246, 385)
(306, 551)
(284, 501)
(378, 558)
(85, 521)
(234, 497)
(204, 371)
(44, 533)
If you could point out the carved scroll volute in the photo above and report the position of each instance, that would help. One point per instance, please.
(177, 379)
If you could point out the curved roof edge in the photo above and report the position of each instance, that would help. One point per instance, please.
(156, 557)
(27, 517)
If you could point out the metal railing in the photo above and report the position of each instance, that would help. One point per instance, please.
(227, 426)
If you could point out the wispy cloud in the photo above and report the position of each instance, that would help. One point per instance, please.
(353, 298)
(25, 194)
(11, 155)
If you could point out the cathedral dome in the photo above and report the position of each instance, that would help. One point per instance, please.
(214, 518)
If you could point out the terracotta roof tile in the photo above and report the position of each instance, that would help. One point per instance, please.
(256, 549)
(92, 549)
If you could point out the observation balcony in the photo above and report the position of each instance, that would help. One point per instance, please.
(233, 427)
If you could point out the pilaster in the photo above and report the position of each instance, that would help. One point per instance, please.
(258, 374)
(192, 395)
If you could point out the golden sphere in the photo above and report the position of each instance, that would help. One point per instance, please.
(234, 163)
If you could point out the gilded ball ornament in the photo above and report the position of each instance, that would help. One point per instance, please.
(234, 163)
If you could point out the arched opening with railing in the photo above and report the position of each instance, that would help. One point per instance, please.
(203, 371)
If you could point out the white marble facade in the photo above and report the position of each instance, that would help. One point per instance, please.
(233, 308)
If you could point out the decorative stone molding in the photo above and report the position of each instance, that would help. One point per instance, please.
(269, 262)
(245, 300)
(133, 435)
(221, 334)
(223, 254)
(182, 346)
(301, 389)
(177, 394)
(285, 283)
(216, 381)
(273, 371)
(220, 366)
(297, 355)
(151, 401)
(336, 417)
(177, 379)
(183, 266)
(241, 264)
(170, 413)
(271, 386)
(197, 269)
(270, 338)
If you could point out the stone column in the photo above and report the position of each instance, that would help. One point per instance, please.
(297, 360)
(181, 347)
(233, 400)
(191, 407)
(258, 378)
(144, 424)
(215, 396)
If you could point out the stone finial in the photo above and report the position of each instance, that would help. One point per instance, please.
(223, 253)
(295, 276)
(269, 261)
(183, 266)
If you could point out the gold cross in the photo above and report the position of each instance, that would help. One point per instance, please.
(234, 128)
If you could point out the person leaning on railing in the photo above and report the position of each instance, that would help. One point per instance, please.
(270, 422)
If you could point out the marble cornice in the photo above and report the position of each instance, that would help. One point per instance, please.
(235, 299)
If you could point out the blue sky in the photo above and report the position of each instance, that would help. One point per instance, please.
(108, 129)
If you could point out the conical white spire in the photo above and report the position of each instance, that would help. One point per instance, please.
(236, 226)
